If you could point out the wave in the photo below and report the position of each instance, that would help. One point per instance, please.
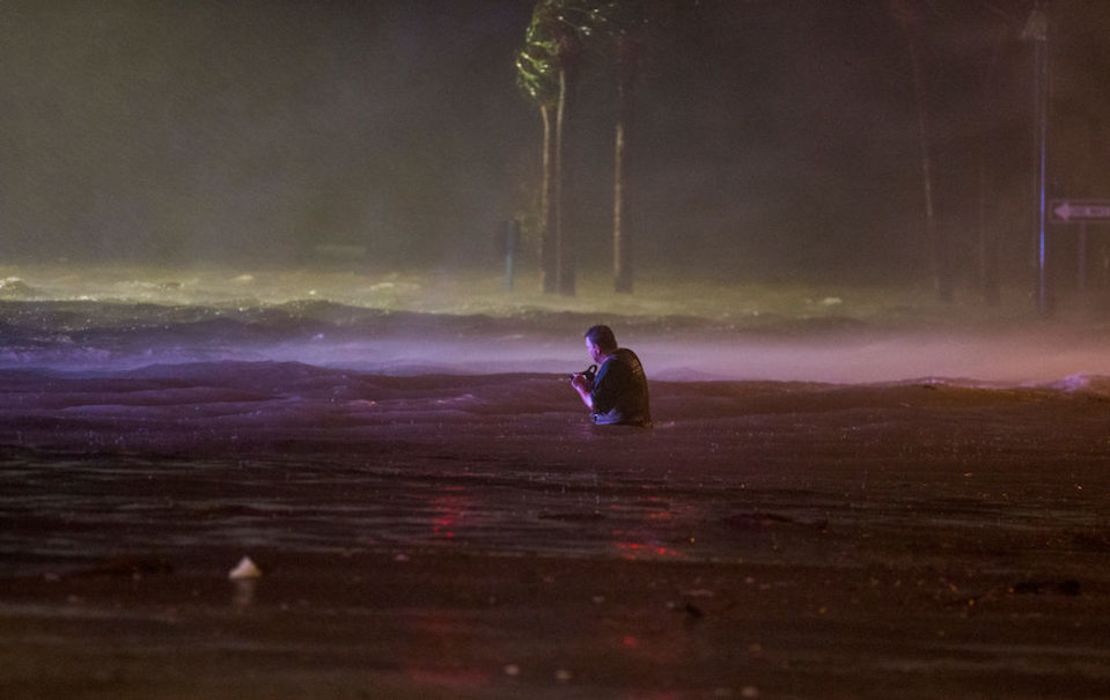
(1083, 383)
(98, 335)
(509, 392)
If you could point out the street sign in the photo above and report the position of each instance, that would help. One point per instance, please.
(1069, 210)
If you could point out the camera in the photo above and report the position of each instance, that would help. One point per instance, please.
(590, 373)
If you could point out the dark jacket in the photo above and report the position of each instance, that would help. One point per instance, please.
(620, 392)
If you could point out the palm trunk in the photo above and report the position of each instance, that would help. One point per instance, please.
(988, 242)
(938, 245)
(622, 274)
(564, 240)
(622, 249)
(549, 263)
(988, 229)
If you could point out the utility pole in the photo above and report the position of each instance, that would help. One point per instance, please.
(1036, 30)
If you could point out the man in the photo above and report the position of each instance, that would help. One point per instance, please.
(619, 394)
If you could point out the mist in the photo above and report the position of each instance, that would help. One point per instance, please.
(364, 155)
(110, 319)
(286, 411)
(774, 138)
(209, 131)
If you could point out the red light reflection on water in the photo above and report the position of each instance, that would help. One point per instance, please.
(643, 550)
(645, 541)
(448, 512)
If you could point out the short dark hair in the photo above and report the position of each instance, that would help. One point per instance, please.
(602, 336)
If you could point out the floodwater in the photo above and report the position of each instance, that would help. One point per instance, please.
(434, 516)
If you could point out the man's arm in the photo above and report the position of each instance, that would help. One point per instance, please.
(579, 384)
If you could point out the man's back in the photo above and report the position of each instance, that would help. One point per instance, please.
(620, 392)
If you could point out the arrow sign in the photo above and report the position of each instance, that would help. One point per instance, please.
(1067, 210)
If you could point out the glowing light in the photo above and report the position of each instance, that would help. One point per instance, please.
(449, 511)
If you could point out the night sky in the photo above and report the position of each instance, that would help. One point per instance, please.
(771, 137)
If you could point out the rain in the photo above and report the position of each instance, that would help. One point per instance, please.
(291, 295)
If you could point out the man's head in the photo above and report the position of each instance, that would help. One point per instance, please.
(600, 342)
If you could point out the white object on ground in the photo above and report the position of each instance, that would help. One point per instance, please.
(244, 569)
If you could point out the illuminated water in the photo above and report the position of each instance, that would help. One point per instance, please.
(124, 318)
(166, 418)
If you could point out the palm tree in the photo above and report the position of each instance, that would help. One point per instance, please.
(614, 26)
(988, 232)
(908, 16)
(627, 48)
(617, 25)
(547, 68)
(545, 71)
(567, 56)
(535, 72)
